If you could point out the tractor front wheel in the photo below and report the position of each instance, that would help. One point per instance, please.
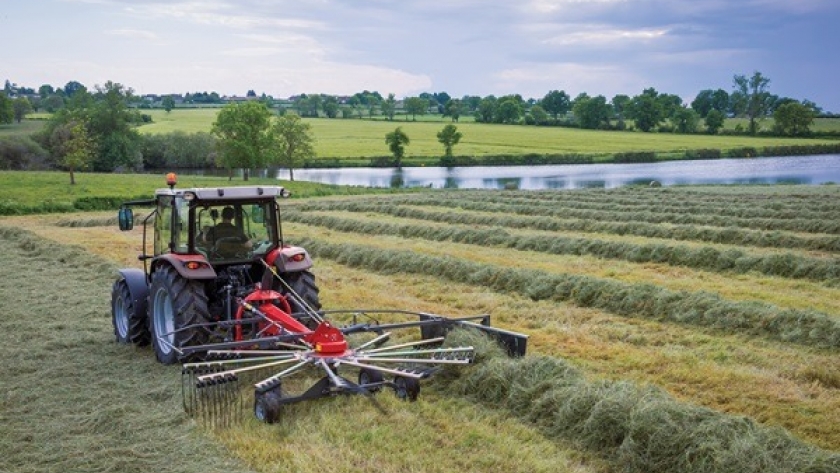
(176, 307)
(130, 326)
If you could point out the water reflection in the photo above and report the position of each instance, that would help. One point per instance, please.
(782, 170)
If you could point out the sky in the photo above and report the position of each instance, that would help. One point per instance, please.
(462, 47)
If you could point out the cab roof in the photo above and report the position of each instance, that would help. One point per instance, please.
(227, 193)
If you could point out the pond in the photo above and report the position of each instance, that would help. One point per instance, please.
(788, 170)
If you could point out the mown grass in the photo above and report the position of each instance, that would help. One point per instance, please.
(730, 369)
(76, 401)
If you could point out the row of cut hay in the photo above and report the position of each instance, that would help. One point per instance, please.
(639, 428)
(794, 225)
(687, 198)
(664, 206)
(805, 327)
(786, 265)
(729, 235)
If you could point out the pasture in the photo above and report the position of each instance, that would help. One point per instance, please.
(684, 319)
(363, 138)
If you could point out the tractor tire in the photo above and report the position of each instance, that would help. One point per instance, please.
(176, 304)
(303, 284)
(130, 327)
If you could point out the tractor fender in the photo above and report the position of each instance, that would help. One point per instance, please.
(138, 287)
(290, 259)
(187, 266)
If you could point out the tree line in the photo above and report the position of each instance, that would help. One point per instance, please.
(97, 129)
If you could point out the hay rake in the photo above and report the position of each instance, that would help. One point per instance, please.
(214, 390)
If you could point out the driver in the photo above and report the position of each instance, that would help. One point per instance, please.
(226, 229)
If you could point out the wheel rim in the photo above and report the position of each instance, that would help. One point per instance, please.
(121, 317)
(364, 378)
(164, 321)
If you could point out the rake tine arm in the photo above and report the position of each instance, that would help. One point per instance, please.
(433, 351)
(237, 371)
(425, 361)
(397, 372)
(268, 383)
(406, 345)
(381, 338)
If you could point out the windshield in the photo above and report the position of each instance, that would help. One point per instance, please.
(234, 231)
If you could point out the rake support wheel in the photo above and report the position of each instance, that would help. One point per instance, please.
(406, 388)
(130, 326)
(176, 304)
(268, 405)
(367, 377)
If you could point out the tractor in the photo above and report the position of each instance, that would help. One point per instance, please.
(192, 280)
(225, 294)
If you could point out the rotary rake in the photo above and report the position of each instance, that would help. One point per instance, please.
(285, 350)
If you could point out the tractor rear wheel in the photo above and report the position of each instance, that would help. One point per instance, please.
(303, 284)
(130, 326)
(176, 305)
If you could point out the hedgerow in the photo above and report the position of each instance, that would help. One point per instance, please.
(805, 327)
(728, 235)
(641, 428)
(706, 258)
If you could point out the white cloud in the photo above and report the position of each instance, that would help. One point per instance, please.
(133, 34)
(603, 35)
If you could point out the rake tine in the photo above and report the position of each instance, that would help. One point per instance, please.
(405, 345)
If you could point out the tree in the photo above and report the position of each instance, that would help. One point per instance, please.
(539, 115)
(112, 124)
(294, 141)
(416, 106)
(486, 111)
(397, 140)
(21, 106)
(592, 112)
(793, 119)
(645, 110)
(244, 136)
(389, 107)
(508, 110)
(45, 91)
(620, 103)
(168, 103)
(7, 110)
(72, 146)
(453, 108)
(556, 103)
(752, 97)
(72, 87)
(714, 121)
(449, 136)
(685, 120)
(329, 104)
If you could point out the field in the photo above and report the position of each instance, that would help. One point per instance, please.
(688, 329)
(355, 138)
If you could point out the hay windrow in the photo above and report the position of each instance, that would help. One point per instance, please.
(806, 327)
(639, 428)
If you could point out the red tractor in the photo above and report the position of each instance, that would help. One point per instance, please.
(212, 248)
(223, 292)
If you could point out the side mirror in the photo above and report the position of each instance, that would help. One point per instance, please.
(257, 215)
(125, 217)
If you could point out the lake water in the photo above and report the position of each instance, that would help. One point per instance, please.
(789, 170)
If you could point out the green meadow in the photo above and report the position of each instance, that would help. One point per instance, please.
(365, 138)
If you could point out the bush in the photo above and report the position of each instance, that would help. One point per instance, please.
(21, 153)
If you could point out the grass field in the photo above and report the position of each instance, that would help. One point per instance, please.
(702, 292)
(355, 138)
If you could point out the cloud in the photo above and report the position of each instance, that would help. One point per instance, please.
(535, 79)
(133, 34)
(604, 35)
